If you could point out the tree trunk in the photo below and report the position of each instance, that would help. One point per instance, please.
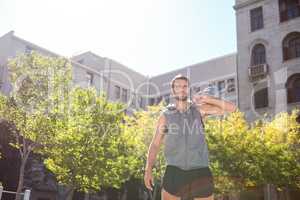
(70, 194)
(286, 193)
(21, 179)
(86, 196)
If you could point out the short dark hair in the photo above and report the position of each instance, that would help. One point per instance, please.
(179, 76)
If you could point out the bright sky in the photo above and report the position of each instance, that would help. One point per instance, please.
(149, 36)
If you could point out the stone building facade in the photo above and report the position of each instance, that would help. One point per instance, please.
(268, 59)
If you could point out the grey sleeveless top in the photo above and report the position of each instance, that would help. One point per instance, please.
(184, 142)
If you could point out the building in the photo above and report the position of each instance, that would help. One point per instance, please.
(266, 65)
(268, 59)
(122, 84)
(119, 82)
(218, 73)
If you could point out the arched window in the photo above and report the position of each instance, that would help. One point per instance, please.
(261, 99)
(293, 88)
(258, 55)
(291, 46)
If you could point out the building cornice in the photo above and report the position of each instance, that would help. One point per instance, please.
(114, 61)
(244, 4)
(35, 46)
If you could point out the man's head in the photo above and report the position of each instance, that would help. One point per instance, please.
(180, 87)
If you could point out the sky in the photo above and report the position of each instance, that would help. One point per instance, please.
(148, 36)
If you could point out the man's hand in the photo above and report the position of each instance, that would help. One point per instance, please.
(148, 179)
(202, 99)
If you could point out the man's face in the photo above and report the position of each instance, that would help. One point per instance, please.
(180, 90)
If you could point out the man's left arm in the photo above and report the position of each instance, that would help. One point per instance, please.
(222, 105)
(213, 105)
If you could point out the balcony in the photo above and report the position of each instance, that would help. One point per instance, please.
(257, 72)
(290, 13)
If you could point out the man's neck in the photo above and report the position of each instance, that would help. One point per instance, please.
(181, 105)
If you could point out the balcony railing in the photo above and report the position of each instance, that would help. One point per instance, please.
(290, 13)
(257, 72)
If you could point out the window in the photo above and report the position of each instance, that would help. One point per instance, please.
(151, 101)
(291, 46)
(256, 18)
(1, 75)
(81, 61)
(89, 78)
(167, 98)
(212, 84)
(289, 9)
(133, 100)
(293, 88)
(221, 86)
(117, 92)
(128, 94)
(213, 88)
(258, 55)
(28, 49)
(141, 103)
(158, 100)
(230, 85)
(261, 98)
(124, 95)
(295, 47)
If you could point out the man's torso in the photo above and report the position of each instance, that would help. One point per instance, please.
(184, 142)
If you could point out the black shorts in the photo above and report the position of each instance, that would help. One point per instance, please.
(188, 183)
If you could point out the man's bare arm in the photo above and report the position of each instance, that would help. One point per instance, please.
(223, 105)
(208, 109)
(213, 106)
(156, 142)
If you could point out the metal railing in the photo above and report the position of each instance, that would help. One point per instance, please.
(26, 194)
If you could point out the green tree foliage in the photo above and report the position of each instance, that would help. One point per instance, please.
(251, 155)
(88, 152)
(76, 131)
(34, 78)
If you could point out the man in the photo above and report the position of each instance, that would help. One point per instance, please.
(180, 127)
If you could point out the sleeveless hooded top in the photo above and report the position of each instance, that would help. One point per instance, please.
(184, 141)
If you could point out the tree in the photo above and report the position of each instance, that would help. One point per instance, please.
(282, 152)
(88, 152)
(76, 131)
(251, 155)
(224, 138)
(37, 81)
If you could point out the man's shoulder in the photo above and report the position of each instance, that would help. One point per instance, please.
(168, 109)
(170, 106)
